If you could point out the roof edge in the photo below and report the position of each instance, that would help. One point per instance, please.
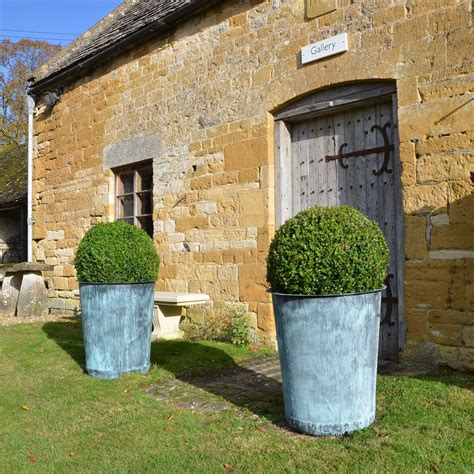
(36, 88)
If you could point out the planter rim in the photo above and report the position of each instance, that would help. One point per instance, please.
(112, 283)
(297, 295)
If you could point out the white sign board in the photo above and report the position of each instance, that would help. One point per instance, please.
(322, 49)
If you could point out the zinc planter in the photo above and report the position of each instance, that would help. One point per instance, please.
(116, 322)
(328, 347)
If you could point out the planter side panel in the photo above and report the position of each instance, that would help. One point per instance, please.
(116, 321)
(328, 350)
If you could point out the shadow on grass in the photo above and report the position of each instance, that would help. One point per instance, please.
(444, 375)
(449, 376)
(68, 336)
(251, 385)
(201, 365)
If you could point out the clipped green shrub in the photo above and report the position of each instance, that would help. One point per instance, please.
(327, 251)
(116, 252)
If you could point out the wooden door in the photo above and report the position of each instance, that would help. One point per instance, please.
(351, 157)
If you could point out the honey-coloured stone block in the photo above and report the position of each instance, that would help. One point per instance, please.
(425, 199)
(468, 336)
(417, 325)
(252, 283)
(453, 236)
(265, 317)
(250, 153)
(416, 244)
(446, 334)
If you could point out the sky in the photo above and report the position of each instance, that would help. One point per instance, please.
(56, 21)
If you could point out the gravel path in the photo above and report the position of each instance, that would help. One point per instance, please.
(13, 321)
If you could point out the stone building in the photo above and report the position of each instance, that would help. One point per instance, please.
(208, 123)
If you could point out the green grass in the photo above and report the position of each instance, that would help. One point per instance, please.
(55, 418)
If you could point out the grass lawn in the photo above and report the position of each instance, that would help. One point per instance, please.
(54, 418)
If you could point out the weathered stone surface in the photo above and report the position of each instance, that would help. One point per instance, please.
(266, 319)
(451, 254)
(408, 162)
(447, 87)
(459, 46)
(444, 167)
(10, 290)
(33, 297)
(133, 150)
(417, 325)
(435, 118)
(468, 336)
(465, 318)
(420, 355)
(459, 358)
(425, 199)
(407, 89)
(25, 267)
(446, 334)
(252, 283)
(416, 244)
(453, 236)
(246, 154)
(461, 202)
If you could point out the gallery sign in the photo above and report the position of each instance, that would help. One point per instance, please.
(322, 49)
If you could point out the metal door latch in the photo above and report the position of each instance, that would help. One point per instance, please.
(389, 300)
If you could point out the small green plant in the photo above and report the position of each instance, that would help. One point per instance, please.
(208, 328)
(116, 252)
(231, 323)
(241, 333)
(326, 251)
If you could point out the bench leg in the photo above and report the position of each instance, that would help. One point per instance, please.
(33, 297)
(166, 321)
(9, 294)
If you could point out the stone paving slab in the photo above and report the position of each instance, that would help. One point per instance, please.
(254, 385)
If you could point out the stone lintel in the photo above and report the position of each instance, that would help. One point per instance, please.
(131, 151)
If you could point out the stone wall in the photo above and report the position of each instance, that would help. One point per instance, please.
(208, 92)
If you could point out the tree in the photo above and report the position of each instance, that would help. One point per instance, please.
(17, 63)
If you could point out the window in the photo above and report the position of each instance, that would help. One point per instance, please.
(134, 191)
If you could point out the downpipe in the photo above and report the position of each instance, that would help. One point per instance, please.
(29, 214)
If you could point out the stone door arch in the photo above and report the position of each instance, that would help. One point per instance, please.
(340, 146)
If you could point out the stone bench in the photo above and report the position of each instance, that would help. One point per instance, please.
(23, 291)
(167, 312)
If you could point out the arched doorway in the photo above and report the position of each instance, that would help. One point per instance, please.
(340, 146)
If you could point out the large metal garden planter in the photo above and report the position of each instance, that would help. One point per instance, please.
(328, 349)
(117, 321)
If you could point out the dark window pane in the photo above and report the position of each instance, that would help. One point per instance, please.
(144, 203)
(128, 220)
(146, 224)
(146, 177)
(127, 183)
(126, 207)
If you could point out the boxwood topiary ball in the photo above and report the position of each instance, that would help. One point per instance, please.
(116, 252)
(327, 251)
